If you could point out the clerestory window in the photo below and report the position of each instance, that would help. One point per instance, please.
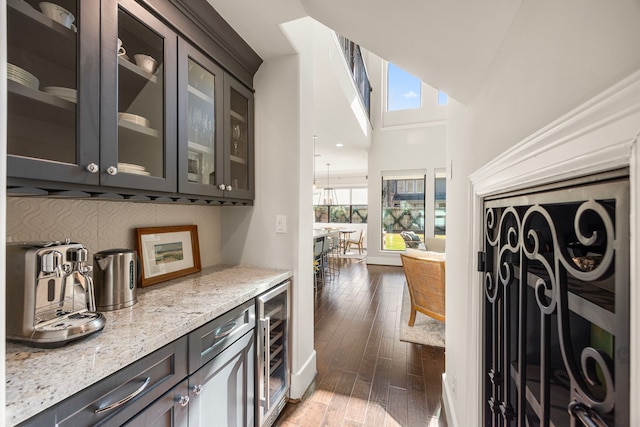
(403, 89)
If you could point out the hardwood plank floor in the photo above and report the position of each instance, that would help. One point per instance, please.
(366, 375)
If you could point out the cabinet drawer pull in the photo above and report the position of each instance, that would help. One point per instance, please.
(226, 331)
(112, 170)
(184, 401)
(221, 187)
(93, 168)
(126, 399)
(197, 389)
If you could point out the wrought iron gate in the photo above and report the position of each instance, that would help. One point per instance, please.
(556, 306)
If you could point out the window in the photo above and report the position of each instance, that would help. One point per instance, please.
(440, 217)
(403, 89)
(359, 206)
(443, 99)
(403, 207)
(351, 207)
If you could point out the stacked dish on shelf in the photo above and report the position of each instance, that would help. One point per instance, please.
(65, 93)
(134, 118)
(131, 168)
(22, 76)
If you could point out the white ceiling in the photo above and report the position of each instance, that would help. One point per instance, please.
(447, 44)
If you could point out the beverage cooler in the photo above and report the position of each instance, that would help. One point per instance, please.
(273, 353)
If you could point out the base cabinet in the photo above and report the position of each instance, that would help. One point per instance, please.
(171, 410)
(222, 391)
(205, 378)
(121, 396)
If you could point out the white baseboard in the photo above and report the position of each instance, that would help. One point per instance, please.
(395, 261)
(447, 398)
(301, 380)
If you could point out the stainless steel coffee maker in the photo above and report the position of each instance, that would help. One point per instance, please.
(50, 296)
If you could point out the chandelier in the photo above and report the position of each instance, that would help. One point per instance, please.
(328, 195)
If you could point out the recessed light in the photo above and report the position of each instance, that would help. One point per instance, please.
(339, 145)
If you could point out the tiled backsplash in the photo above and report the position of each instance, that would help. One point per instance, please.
(100, 225)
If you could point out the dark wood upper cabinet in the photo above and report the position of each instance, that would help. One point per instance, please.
(215, 129)
(239, 149)
(139, 102)
(200, 129)
(53, 92)
(129, 97)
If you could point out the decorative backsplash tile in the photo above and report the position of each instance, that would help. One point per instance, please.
(123, 216)
(103, 225)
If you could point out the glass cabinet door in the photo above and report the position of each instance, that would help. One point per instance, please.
(199, 117)
(239, 140)
(52, 100)
(139, 139)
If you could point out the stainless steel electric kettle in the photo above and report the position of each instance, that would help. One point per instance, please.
(115, 278)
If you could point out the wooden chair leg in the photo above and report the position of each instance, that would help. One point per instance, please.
(412, 317)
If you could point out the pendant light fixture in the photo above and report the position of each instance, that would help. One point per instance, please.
(328, 196)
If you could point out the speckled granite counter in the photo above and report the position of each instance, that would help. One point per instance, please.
(38, 378)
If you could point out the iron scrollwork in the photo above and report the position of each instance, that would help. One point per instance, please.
(547, 248)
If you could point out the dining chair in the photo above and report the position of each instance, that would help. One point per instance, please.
(359, 242)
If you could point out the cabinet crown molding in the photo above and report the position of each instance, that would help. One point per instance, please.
(220, 40)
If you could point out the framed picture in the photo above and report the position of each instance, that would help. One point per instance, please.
(167, 252)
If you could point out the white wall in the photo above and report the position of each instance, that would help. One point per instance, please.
(555, 56)
(412, 140)
(3, 190)
(283, 187)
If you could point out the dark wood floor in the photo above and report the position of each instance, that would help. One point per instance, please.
(366, 375)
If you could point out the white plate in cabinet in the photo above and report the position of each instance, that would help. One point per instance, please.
(132, 127)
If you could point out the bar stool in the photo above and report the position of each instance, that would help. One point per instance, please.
(318, 262)
(333, 255)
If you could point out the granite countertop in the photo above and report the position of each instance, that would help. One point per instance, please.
(37, 379)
